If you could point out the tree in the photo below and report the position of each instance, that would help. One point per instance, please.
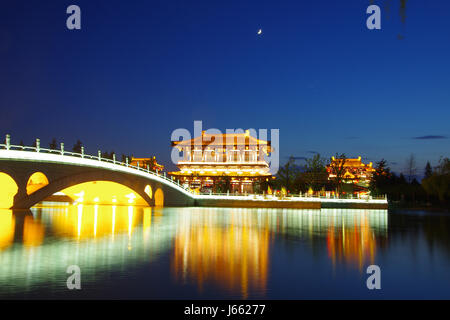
(108, 155)
(124, 158)
(53, 145)
(315, 174)
(411, 169)
(288, 173)
(77, 147)
(224, 184)
(428, 170)
(438, 184)
(381, 178)
(337, 170)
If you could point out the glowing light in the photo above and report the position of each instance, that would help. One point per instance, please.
(33, 232)
(7, 224)
(95, 219)
(130, 197)
(130, 221)
(147, 218)
(159, 198)
(148, 191)
(80, 215)
(113, 220)
(36, 181)
(80, 196)
(103, 192)
(8, 191)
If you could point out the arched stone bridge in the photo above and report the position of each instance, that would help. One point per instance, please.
(65, 169)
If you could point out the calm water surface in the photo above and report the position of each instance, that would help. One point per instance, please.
(209, 253)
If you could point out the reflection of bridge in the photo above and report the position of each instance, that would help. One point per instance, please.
(29, 261)
(61, 169)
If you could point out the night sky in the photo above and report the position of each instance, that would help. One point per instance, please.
(137, 70)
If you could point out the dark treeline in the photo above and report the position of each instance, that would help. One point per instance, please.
(312, 176)
(434, 189)
(401, 189)
(77, 148)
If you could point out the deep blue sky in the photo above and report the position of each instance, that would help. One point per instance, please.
(140, 69)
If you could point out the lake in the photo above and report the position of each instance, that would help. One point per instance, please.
(222, 253)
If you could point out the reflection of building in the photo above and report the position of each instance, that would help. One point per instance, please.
(355, 243)
(355, 171)
(144, 162)
(223, 162)
(235, 258)
(230, 248)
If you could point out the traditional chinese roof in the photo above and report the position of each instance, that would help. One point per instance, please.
(224, 140)
(353, 162)
(142, 161)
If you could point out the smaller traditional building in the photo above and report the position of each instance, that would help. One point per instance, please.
(355, 171)
(144, 162)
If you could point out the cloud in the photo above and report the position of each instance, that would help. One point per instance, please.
(430, 137)
(299, 158)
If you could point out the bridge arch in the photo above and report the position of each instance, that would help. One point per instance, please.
(103, 192)
(37, 181)
(148, 190)
(159, 198)
(73, 180)
(9, 190)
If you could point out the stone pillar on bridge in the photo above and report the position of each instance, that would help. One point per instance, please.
(21, 179)
(8, 142)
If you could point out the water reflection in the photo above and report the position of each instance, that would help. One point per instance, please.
(6, 229)
(353, 238)
(37, 246)
(83, 222)
(229, 250)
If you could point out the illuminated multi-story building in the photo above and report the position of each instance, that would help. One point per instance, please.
(223, 163)
(354, 171)
(144, 162)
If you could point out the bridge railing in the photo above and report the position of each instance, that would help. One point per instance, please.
(98, 157)
(292, 196)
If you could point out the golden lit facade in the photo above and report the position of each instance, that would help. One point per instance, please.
(145, 163)
(355, 171)
(223, 163)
